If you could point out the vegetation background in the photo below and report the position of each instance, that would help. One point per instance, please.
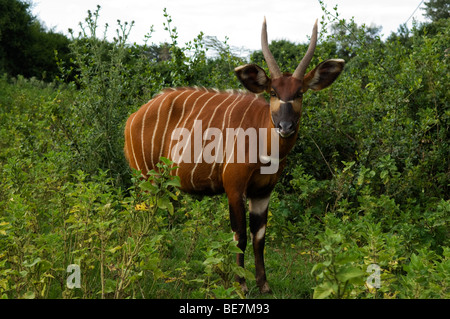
(367, 182)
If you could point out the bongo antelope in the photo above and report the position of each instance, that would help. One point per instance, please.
(173, 117)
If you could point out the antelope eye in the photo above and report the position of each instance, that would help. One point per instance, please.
(299, 94)
(273, 94)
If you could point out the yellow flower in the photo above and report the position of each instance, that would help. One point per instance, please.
(141, 206)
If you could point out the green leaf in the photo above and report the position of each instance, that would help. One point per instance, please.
(348, 165)
(166, 161)
(148, 186)
(232, 248)
(164, 203)
(173, 182)
(34, 262)
(349, 273)
(212, 261)
(113, 250)
(172, 195)
(316, 267)
(198, 280)
(29, 295)
(130, 242)
(323, 291)
(110, 286)
(242, 272)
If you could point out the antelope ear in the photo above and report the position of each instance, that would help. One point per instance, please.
(323, 75)
(253, 78)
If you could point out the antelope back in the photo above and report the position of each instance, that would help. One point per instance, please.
(184, 125)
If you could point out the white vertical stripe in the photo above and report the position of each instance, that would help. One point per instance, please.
(167, 123)
(131, 142)
(230, 107)
(184, 124)
(161, 105)
(198, 115)
(181, 118)
(235, 137)
(209, 123)
(142, 129)
(204, 142)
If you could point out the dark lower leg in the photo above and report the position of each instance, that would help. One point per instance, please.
(258, 229)
(239, 227)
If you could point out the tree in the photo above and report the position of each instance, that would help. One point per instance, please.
(437, 9)
(41, 52)
(350, 37)
(15, 36)
(26, 47)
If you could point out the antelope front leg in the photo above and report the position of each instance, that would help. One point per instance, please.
(258, 220)
(239, 227)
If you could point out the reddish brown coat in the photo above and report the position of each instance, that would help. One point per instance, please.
(148, 135)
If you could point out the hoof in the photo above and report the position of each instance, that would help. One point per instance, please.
(265, 289)
(244, 288)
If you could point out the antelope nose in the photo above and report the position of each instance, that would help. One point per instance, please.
(285, 128)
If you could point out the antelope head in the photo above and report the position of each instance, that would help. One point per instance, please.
(286, 89)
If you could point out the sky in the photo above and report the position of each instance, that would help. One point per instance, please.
(239, 20)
